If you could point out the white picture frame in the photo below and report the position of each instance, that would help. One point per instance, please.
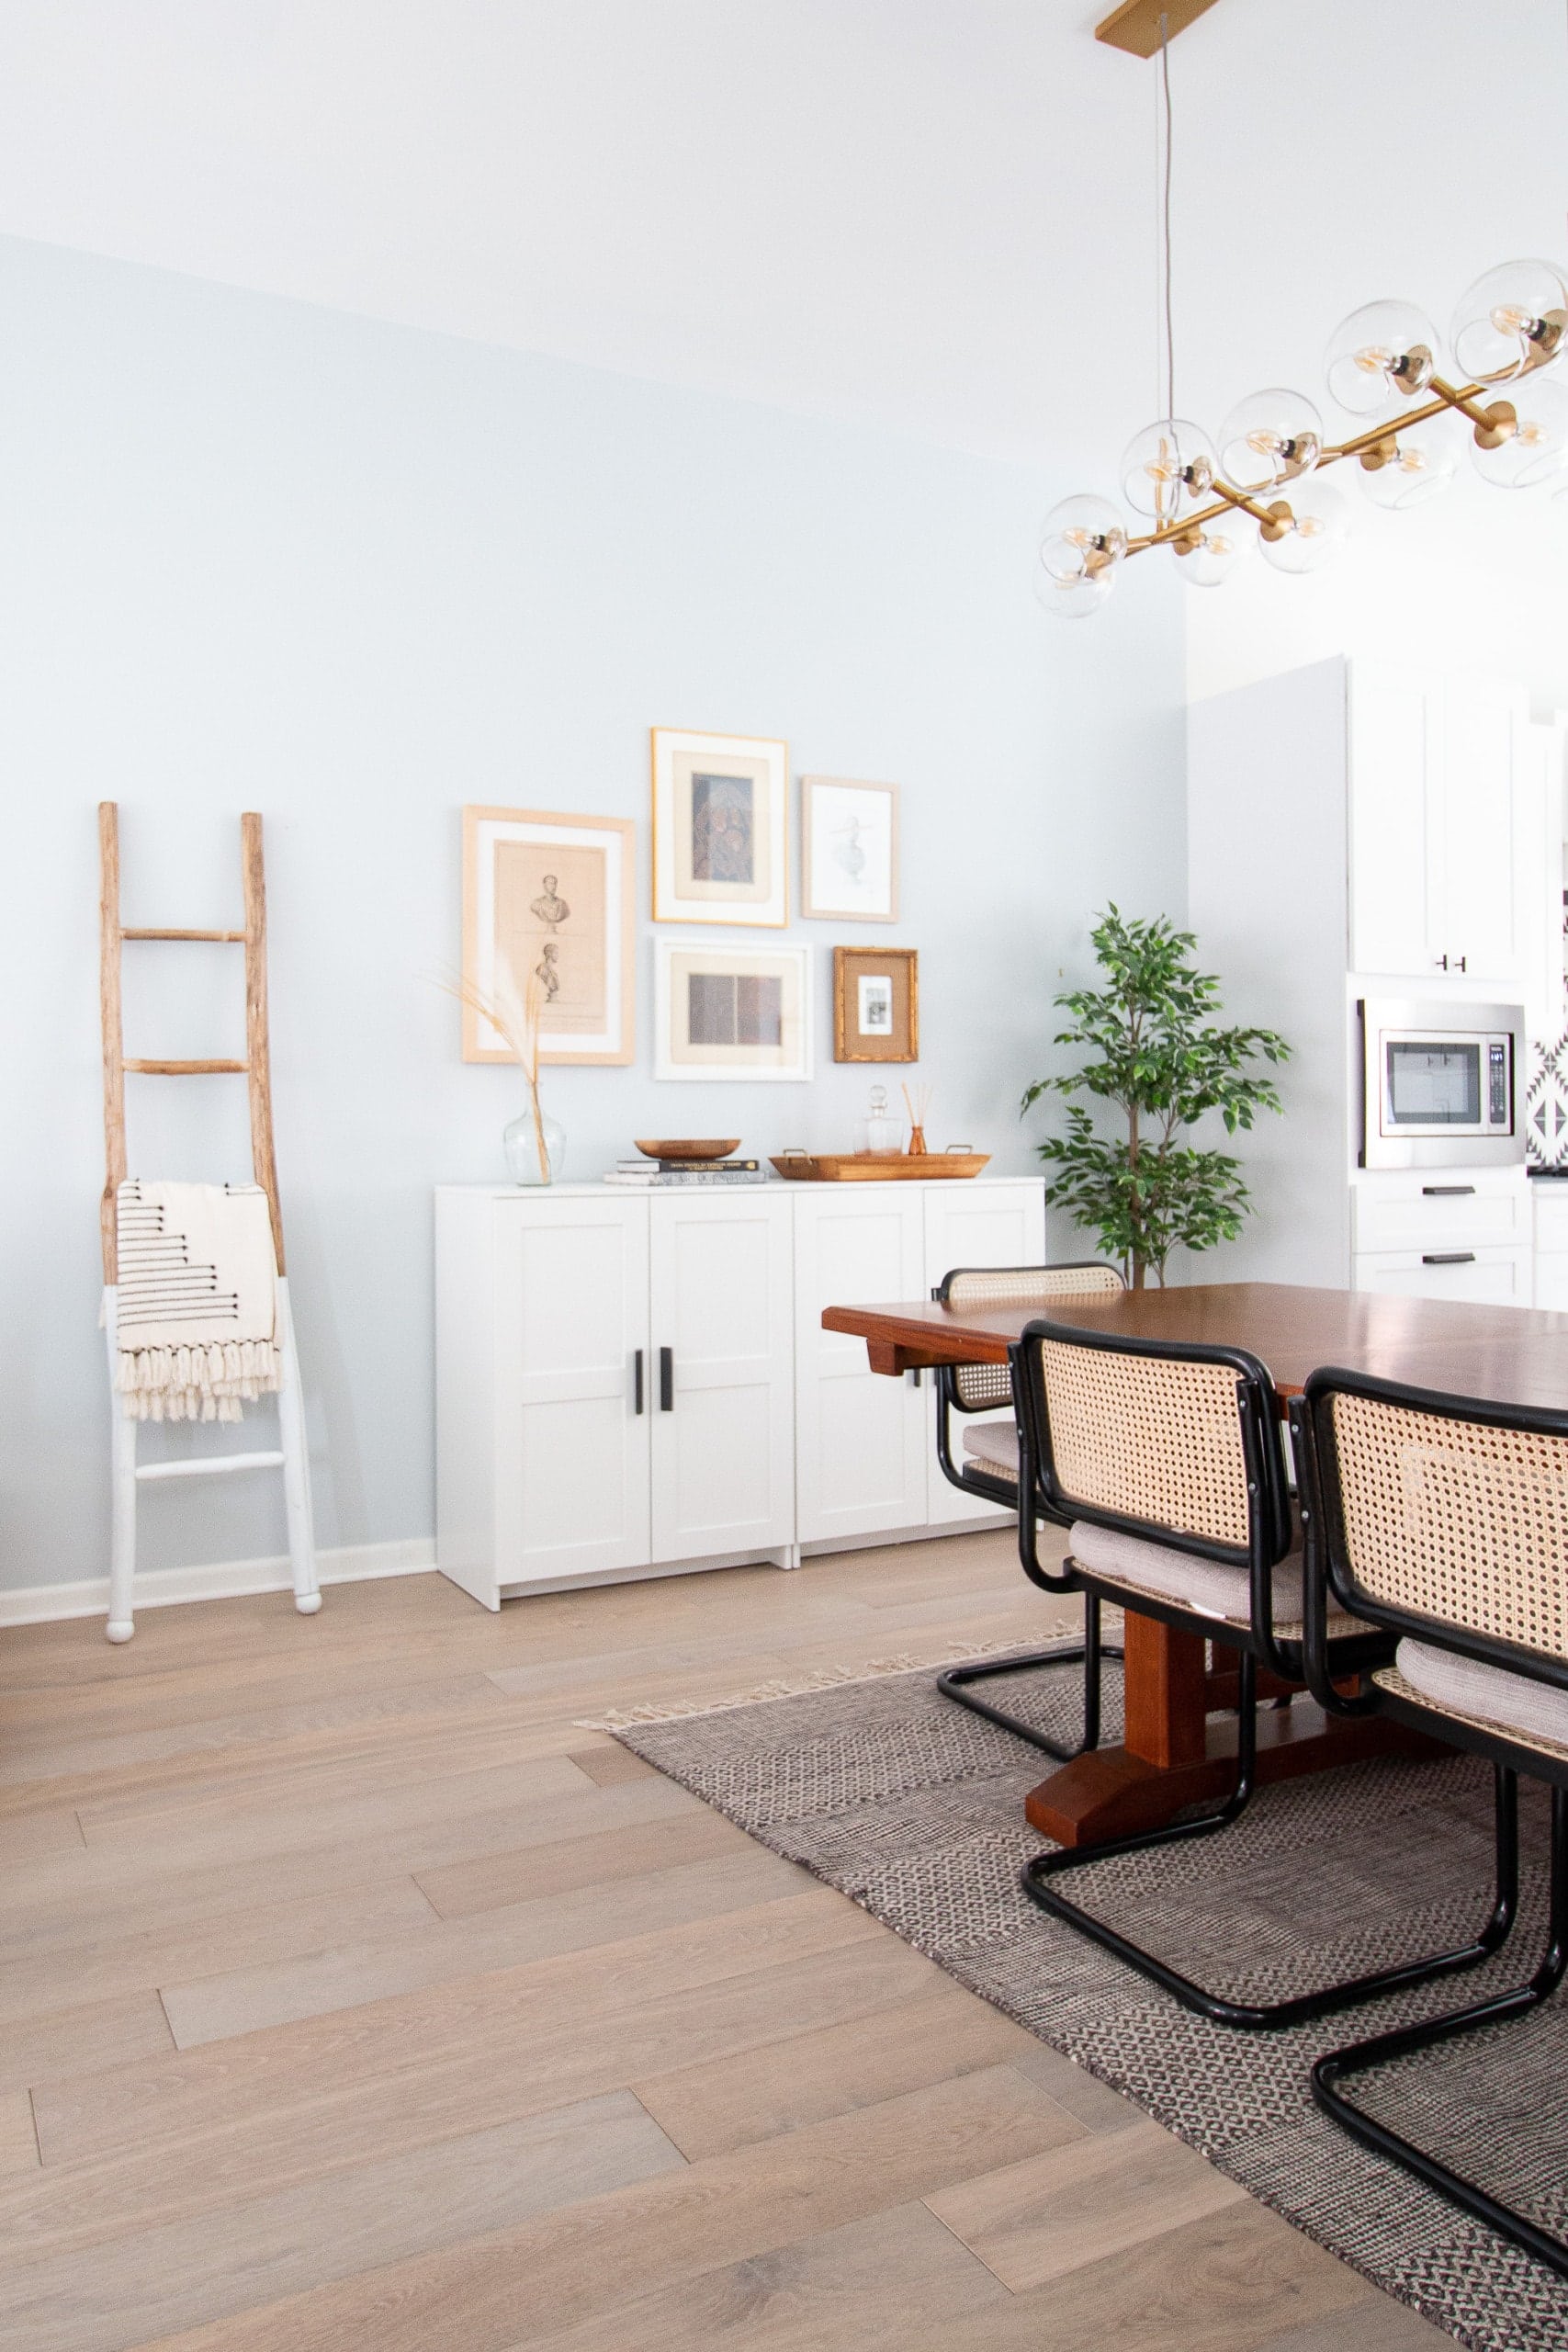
(733, 1014)
(552, 895)
(849, 850)
(720, 827)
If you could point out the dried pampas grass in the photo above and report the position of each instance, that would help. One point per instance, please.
(514, 1015)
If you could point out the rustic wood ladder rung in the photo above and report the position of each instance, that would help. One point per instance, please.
(292, 1458)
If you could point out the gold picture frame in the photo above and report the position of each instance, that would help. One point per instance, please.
(876, 1004)
(552, 895)
(849, 850)
(720, 827)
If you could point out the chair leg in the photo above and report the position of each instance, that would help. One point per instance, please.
(954, 1684)
(1359, 2057)
(1270, 2015)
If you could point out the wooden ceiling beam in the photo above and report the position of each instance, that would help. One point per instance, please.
(1135, 26)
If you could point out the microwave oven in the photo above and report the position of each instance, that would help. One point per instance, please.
(1439, 1084)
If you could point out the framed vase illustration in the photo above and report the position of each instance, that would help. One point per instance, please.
(550, 898)
(849, 850)
(720, 829)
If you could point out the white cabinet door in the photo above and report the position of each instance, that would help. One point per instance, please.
(722, 1398)
(861, 1438)
(1483, 772)
(1395, 847)
(967, 1225)
(571, 1448)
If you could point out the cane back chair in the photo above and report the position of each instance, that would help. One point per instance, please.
(1444, 1520)
(1165, 1460)
(989, 1469)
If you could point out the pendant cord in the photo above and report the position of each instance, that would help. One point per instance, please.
(1165, 216)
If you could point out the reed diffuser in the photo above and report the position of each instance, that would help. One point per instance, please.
(534, 1143)
(917, 1105)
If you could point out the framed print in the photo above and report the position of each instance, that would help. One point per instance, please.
(551, 898)
(720, 829)
(849, 850)
(876, 1004)
(731, 1011)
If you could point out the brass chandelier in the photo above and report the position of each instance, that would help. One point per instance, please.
(1266, 464)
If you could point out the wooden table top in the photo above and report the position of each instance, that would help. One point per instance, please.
(1512, 1355)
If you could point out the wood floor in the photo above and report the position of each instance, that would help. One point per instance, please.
(354, 1998)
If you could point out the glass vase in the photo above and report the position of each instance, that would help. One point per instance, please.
(534, 1147)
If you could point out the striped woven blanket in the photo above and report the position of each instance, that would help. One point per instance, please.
(197, 1304)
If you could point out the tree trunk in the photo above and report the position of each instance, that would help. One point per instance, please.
(1139, 1269)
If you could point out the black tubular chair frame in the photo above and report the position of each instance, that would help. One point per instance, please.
(1270, 1538)
(1330, 1572)
(971, 1477)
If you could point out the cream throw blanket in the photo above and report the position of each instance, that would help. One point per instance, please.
(196, 1300)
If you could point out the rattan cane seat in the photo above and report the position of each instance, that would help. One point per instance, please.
(1389, 1679)
(1483, 1693)
(979, 1385)
(995, 1444)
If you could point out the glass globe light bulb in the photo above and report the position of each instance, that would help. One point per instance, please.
(1512, 321)
(1167, 469)
(1400, 474)
(1532, 426)
(1269, 438)
(1316, 527)
(1081, 538)
(1206, 556)
(1074, 600)
(1381, 355)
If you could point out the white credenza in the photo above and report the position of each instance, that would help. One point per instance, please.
(629, 1384)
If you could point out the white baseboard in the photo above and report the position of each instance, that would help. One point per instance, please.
(43, 1604)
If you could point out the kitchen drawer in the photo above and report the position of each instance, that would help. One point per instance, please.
(1439, 1208)
(1489, 1277)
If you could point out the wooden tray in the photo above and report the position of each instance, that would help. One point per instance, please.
(876, 1167)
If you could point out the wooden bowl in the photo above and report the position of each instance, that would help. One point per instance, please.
(684, 1148)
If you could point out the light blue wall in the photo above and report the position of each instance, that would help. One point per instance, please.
(254, 554)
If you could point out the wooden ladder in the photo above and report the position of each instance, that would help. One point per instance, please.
(291, 1457)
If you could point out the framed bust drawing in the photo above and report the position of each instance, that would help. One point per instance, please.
(720, 829)
(849, 850)
(551, 896)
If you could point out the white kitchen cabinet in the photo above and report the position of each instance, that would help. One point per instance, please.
(1444, 780)
(630, 1382)
(1487, 1275)
(1550, 1201)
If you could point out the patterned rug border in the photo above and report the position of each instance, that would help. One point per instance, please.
(1407, 2289)
(616, 1720)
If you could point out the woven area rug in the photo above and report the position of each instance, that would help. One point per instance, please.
(915, 1808)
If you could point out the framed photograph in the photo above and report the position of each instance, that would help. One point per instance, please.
(551, 898)
(876, 1004)
(731, 1011)
(849, 850)
(720, 829)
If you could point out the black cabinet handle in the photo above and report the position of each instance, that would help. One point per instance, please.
(1447, 1257)
(1445, 1192)
(636, 1381)
(1463, 962)
(667, 1380)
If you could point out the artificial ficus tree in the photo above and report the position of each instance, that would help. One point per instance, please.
(1158, 1056)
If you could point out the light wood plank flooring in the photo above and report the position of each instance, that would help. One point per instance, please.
(354, 1998)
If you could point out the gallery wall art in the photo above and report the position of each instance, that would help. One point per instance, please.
(720, 829)
(876, 1004)
(548, 898)
(739, 1013)
(849, 850)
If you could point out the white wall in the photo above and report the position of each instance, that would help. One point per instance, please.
(258, 555)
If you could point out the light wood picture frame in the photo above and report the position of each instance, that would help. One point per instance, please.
(724, 1012)
(720, 827)
(876, 1004)
(552, 895)
(849, 850)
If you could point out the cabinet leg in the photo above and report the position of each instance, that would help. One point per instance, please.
(788, 1555)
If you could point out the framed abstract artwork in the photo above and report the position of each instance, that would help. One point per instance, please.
(720, 829)
(731, 1011)
(549, 897)
(876, 1004)
(849, 850)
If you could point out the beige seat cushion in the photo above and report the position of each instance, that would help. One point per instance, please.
(994, 1443)
(1206, 1587)
(1489, 1694)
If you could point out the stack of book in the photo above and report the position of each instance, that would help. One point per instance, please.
(650, 1174)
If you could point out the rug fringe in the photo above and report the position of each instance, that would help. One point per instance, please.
(800, 1686)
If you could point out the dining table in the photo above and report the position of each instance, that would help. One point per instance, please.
(1178, 1741)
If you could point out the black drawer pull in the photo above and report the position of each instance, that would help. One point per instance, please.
(1447, 1257)
(636, 1381)
(1447, 1192)
(667, 1380)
